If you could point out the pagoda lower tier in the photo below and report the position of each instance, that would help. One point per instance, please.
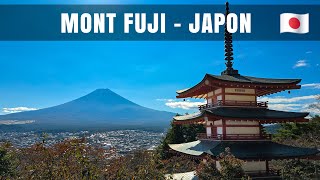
(245, 150)
(255, 154)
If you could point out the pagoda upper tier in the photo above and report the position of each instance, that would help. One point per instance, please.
(237, 82)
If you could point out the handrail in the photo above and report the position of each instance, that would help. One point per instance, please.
(270, 172)
(262, 104)
(235, 136)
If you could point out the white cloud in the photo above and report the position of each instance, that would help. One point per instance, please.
(298, 104)
(281, 99)
(300, 63)
(312, 108)
(184, 104)
(312, 85)
(12, 122)
(285, 107)
(292, 104)
(17, 109)
(170, 100)
(187, 104)
(308, 52)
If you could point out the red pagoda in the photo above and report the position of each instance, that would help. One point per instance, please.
(234, 118)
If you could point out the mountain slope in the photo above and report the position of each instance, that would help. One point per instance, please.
(102, 107)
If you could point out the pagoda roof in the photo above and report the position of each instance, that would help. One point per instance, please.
(244, 149)
(248, 79)
(264, 85)
(242, 113)
(189, 116)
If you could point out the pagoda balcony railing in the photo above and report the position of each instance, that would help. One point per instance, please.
(267, 174)
(261, 104)
(203, 136)
(263, 174)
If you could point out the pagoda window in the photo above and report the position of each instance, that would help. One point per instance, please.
(209, 123)
(244, 123)
(219, 131)
(209, 133)
(248, 131)
(210, 94)
(253, 166)
(219, 122)
(240, 98)
(250, 128)
(218, 91)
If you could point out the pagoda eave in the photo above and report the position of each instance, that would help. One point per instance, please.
(193, 121)
(262, 85)
(262, 121)
(268, 121)
(203, 156)
(262, 115)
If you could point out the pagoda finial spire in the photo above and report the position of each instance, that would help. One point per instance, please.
(228, 48)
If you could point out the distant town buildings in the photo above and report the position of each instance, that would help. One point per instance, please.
(124, 141)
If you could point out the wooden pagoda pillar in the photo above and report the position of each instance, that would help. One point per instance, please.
(224, 129)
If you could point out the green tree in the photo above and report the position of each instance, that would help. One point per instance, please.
(298, 169)
(8, 161)
(178, 134)
(303, 134)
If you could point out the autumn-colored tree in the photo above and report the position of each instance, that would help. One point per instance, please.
(141, 165)
(179, 164)
(230, 167)
(75, 159)
(207, 170)
(71, 159)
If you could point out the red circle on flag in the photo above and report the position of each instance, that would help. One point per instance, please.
(294, 23)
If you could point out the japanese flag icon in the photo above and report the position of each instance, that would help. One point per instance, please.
(294, 23)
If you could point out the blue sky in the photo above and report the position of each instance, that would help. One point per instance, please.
(43, 74)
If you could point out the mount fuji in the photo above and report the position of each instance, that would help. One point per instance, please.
(102, 109)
